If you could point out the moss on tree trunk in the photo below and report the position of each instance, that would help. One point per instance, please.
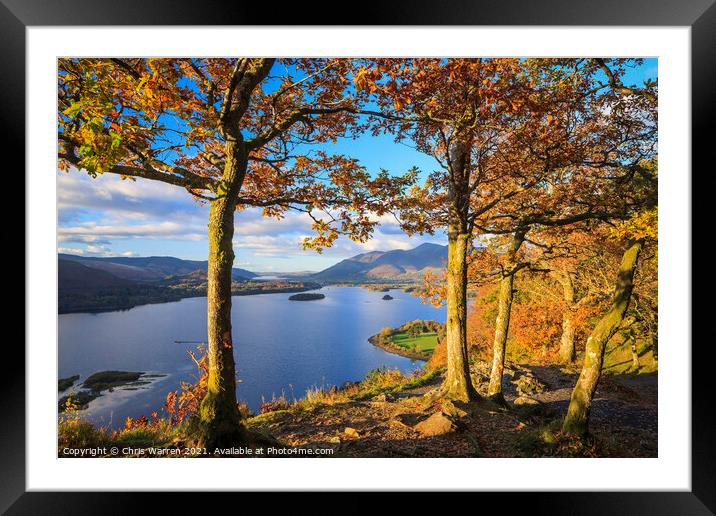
(502, 326)
(634, 355)
(219, 420)
(577, 420)
(502, 322)
(567, 352)
(458, 384)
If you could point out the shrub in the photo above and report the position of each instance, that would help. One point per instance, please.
(381, 377)
(80, 434)
(386, 332)
(276, 403)
(439, 357)
(73, 432)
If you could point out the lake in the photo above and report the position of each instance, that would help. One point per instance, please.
(279, 345)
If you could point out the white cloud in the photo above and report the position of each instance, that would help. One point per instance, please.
(91, 231)
(122, 199)
(251, 222)
(94, 213)
(93, 250)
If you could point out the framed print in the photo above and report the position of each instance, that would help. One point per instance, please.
(421, 252)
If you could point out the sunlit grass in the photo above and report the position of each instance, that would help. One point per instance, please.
(425, 342)
(378, 381)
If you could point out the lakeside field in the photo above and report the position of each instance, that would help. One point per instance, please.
(425, 342)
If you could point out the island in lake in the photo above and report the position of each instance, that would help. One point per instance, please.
(415, 339)
(97, 383)
(306, 297)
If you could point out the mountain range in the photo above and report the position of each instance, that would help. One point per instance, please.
(73, 275)
(91, 284)
(144, 269)
(82, 272)
(398, 264)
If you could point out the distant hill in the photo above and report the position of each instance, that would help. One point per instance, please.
(150, 268)
(101, 284)
(389, 265)
(82, 288)
(73, 275)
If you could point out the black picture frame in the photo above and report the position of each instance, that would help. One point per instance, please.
(700, 15)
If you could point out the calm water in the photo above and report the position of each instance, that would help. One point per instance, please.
(280, 345)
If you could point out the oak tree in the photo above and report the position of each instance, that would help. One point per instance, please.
(496, 128)
(599, 138)
(234, 133)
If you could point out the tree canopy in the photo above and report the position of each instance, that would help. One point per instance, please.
(169, 120)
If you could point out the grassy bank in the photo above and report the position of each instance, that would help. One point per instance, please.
(387, 414)
(164, 431)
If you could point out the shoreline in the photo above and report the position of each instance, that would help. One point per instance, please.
(188, 295)
(178, 296)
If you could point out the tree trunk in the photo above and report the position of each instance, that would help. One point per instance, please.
(567, 352)
(458, 384)
(219, 417)
(634, 355)
(502, 323)
(545, 350)
(502, 327)
(577, 420)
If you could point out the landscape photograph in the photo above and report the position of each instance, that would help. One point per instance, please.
(357, 257)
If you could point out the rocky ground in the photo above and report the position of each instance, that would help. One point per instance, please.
(623, 421)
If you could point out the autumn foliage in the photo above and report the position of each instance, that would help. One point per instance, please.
(545, 176)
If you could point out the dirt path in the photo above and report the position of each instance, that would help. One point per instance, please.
(623, 420)
(622, 402)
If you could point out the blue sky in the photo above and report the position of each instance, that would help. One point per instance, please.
(107, 216)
